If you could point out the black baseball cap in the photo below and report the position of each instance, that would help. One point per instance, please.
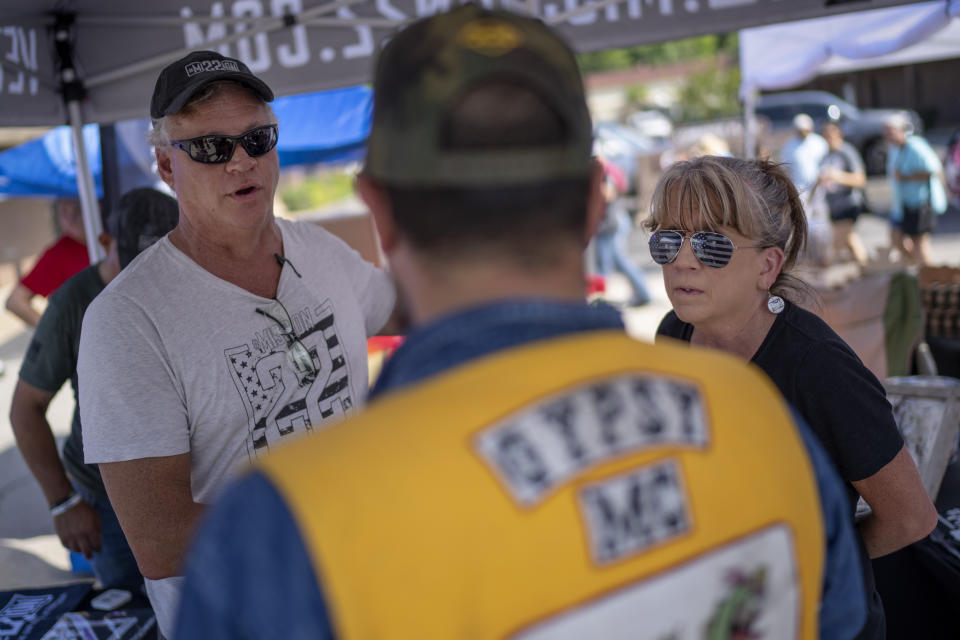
(142, 217)
(426, 69)
(181, 80)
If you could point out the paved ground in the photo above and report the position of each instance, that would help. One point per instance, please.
(30, 555)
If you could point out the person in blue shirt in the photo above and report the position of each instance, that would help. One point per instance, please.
(524, 468)
(915, 173)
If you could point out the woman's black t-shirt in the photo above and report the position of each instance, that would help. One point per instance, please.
(841, 400)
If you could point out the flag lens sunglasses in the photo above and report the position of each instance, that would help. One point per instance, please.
(215, 149)
(710, 248)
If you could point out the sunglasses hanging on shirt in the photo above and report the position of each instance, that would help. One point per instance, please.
(298, 355)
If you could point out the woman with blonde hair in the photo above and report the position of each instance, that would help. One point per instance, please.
(727, 233)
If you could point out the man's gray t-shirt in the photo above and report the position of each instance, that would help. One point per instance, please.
(174, 360)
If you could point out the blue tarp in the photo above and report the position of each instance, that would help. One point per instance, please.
(329, 127)
(45, 166)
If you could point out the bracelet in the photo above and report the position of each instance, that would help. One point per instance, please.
(66, 504)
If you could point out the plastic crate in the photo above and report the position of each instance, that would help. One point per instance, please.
(927, 411)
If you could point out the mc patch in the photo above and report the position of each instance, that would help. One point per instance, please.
(628, 513)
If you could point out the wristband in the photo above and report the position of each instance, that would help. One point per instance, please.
(66, 504)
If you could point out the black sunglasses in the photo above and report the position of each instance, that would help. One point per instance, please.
(216, 149)
(710, 248)
(297, 353)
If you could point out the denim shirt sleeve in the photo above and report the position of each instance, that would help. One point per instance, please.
(843, 606)
(248, 572)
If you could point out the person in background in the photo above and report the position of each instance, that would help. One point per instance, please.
(842, 179)
(802, 155)
(82, 516)
(231, 334)
(524, 469)
(612, 234)
(951, 168)
(710, 144)
(916, 174)
(727, 233)
(59, 261)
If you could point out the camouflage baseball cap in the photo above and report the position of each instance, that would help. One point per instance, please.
(427, 67)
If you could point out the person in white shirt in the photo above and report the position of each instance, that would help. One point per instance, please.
(802, 154)
(233, 333)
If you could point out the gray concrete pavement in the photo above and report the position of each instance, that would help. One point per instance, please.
(30, 554)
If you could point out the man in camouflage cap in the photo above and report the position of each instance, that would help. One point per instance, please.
(522, 469)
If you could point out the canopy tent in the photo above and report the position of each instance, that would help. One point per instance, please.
(325, 127)
(786, 55)
(82, 61)
(942, 45)
(111, 50)
(781, 56)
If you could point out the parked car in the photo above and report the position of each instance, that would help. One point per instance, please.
(863, 128)
(651, 123)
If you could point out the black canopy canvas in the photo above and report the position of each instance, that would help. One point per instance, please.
(76, 61)
(113, 49)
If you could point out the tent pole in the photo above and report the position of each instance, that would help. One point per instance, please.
(109, 167)
(749, 122)
(73, 92)
(88, 194)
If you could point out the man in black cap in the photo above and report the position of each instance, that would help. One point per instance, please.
(235, 332)
(524, 469)
(82, 515)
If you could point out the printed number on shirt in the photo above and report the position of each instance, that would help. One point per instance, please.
(279, 400)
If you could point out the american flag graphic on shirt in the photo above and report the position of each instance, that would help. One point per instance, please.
(279, 401)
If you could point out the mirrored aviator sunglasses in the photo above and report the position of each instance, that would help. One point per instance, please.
(710, 248)
(217, 149)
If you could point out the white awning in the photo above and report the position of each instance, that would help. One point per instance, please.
(786, 55)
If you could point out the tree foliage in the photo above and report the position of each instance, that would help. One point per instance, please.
(314, 191)
(704, 95)
(699, 48)
(709, 94)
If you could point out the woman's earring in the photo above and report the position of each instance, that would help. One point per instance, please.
(775, 304)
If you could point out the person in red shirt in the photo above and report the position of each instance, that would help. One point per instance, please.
(62, 259)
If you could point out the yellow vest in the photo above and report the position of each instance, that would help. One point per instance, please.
(582, 487)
